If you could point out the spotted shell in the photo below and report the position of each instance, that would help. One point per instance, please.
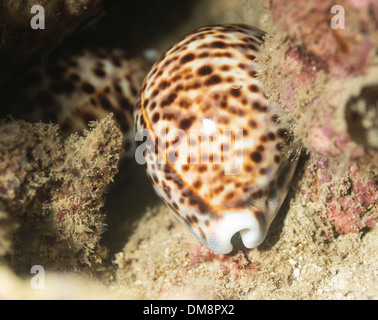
(81, 87)
(207, 82)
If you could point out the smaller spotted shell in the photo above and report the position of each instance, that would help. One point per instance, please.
(80, 87)
(207, 82)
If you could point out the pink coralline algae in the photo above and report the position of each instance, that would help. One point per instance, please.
(345, 51)
(349, 211)
(232, 266)
(350, 201)
(327, 141)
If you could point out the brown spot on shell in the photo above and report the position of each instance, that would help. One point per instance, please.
(214, 79)
(186, 123)
(188, 57)
(204, 70)
(235, 92)
(99, 72)
(88, 88)
(218, 44)
(256, 156)
(105, 103)
(168, 100)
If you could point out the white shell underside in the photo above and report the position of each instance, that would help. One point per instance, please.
(251, 227)
(244, 222)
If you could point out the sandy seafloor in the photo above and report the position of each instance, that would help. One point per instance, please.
(151, 255)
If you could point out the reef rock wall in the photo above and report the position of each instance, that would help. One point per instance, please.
(322, 66)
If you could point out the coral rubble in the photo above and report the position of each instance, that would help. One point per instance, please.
(52, 190)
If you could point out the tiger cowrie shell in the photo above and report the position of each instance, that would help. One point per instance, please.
(207, 82)
(80, 87)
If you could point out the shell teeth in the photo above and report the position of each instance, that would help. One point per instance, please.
(251, 228)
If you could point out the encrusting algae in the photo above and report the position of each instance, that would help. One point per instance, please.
(52, 191)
